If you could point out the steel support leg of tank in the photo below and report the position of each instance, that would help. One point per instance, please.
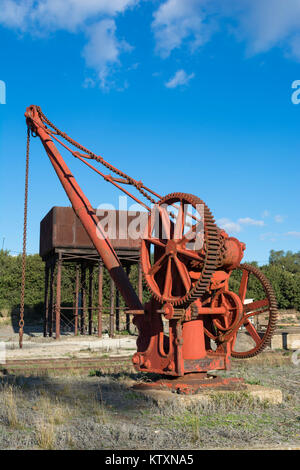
(58, 297)
(112, 309)
(100, 297)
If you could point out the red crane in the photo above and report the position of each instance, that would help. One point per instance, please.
(191, 267)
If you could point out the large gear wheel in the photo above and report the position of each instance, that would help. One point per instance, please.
(259, 316)
(178, 265)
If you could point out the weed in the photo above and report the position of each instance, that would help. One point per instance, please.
(70, 442)
(45, 435)
(51, 410)
(10, 406)
(253, 382)
(98, 407)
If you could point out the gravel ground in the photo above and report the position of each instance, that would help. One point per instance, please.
(102, 412)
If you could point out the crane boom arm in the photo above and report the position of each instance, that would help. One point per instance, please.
(85, 212)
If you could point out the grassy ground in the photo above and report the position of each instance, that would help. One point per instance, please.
(101, 412)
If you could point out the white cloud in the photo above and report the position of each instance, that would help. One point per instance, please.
(103, 49)
(269, 236)
(274, 236)
(268, 23)
(96, 18)
(279, 219)
(229, 226)
(265, 214)
(89, 83)
(180, 78)
(294, 47)
(235, 227)
(14, 14)
(262, 24)
(293, 234)
(249, 221)
(58, 14)
(176, 21)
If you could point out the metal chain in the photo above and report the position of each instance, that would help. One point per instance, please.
(21, 321)
(134, 183)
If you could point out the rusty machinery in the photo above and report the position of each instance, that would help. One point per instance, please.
(191, 323)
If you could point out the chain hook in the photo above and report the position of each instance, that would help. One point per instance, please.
(21, 321)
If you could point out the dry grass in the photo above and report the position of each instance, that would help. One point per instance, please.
(52, 409)
(51, 412)
(45, 435)
(98, 412)
(10, 406)
(99, 406)
(272, 358)
(70, 441)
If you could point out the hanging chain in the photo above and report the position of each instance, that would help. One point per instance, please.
(99, 159)
(21, 322)
(133, 182)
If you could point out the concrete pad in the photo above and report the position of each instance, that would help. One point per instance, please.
(257, 392)
(260, 393)
(75, 346)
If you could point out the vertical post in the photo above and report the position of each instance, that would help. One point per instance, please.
(117, 310)
(51, 301)
(100, 298)
(83, 299)
(112, 309)
(140, 281)
(128, 316)
(58, 297)
(90, 306)
(46, 299)
(76, 300)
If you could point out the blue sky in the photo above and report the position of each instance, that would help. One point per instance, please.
(190, 96)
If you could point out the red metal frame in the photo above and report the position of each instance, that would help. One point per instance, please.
(192, 321)
(86, 213)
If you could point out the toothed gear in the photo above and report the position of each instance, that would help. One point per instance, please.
(209, 259)
(273, 314)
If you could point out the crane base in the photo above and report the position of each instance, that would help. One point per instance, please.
(191, 384)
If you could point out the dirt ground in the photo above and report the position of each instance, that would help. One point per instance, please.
(102, 412)
(35, 346)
